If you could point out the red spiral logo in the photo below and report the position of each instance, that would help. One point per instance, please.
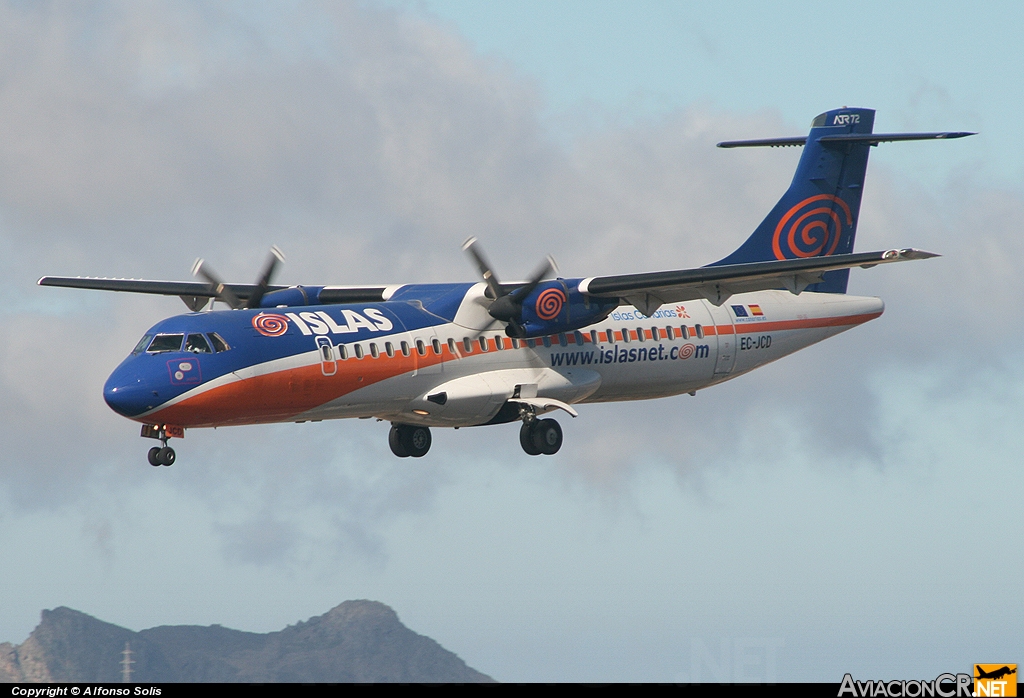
(270, 324)
(549, 303)
(812, 228)
(686, 351)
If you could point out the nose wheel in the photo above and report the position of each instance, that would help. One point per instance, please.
(161, 455)
(408, 440)
(540, 436)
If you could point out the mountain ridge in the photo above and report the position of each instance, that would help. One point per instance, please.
(356, 641)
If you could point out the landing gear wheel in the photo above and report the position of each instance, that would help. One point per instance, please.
(395, 441)
(547, 436)
(526, 439)
(166, 456)
(415, 440)
(154, 456)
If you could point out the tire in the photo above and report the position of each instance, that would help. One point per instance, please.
(526, 439)
(547, 436)
(415, 440)
(395, 441)
(166, 456)
(154, 456)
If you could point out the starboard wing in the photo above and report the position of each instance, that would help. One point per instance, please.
(648, 291)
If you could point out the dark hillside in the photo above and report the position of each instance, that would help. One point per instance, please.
(360, 641)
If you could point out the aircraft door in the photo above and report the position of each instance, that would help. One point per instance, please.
(428, 350)
(726, 334)
(328, 361)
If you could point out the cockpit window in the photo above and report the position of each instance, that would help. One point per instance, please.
(197, 344)
(166, 342)
(218, 342)
(143, 343)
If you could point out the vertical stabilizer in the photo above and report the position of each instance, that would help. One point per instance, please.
(818, 215)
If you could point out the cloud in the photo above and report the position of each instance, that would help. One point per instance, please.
(369, 143)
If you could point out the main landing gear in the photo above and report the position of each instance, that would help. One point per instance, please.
(540, 436)
(161, 455)
(409, 440)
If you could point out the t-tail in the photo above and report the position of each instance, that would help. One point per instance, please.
(818, 214)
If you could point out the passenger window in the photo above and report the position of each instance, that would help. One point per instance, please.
(593, 336)
(700, 331)
(421, 348)
(451, 345)
(436, 344)
(143, 343)
(373, 350)
(562, 339)
(625, 335)
(668, 332)
(218, 342)
(197, 344)
(405, 348)
(498, 342)
(468, 344)
(359, 350)
(389, 348)
(685, 331)
(578, 336)
(343, 351)
(547, 340)
(483, 344)
(654, 334)
(166, 342)
(610, 336)
(640, 333)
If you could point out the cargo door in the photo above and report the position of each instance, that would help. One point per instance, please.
(725, 332)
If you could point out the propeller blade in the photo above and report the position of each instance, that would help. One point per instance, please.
(472, 248)
(546, 267)
(509, 308)
(200, 268)
(275, 258)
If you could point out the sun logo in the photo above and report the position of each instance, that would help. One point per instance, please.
(270, 324)
(549, 303)
(812, 228)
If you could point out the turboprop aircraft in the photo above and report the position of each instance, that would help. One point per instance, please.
(472, 354)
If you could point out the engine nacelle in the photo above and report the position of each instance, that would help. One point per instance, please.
(557, 306)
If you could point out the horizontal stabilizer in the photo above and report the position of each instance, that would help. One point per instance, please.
(869, 138)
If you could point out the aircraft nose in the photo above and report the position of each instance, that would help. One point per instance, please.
(128, 394)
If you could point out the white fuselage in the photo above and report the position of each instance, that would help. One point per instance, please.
(682, 348)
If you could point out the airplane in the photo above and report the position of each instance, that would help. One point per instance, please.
(482, 353)
(996, 674)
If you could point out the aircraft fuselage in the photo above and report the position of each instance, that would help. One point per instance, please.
(408, 363)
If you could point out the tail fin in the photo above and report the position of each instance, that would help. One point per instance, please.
(818, 215)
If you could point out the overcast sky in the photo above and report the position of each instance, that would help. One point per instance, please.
(848, 508)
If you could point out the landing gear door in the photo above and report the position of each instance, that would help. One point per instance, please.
(725, 330)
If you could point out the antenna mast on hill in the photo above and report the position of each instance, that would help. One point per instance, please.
(126, 664)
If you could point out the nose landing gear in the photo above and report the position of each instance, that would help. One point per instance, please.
(540, 436)
(161, 455)
(409, 440)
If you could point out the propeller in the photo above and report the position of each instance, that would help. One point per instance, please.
(226, 295)
(507, 307)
